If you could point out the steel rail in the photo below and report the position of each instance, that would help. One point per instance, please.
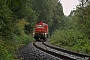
(66, 51)
(53, 53)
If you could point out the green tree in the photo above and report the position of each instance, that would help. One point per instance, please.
(57, 19)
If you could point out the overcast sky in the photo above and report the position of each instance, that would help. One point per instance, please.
(69, 5)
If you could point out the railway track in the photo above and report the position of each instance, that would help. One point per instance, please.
(59, 52)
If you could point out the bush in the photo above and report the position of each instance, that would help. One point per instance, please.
(72, 39)
(16, 39)
(4, 53)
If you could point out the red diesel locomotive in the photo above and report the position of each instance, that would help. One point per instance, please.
(40, 31)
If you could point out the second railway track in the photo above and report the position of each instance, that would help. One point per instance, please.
(59, 52)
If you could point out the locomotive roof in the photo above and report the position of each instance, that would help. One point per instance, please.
(41, 23)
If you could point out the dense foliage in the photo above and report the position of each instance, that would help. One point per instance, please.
(75, 34)
(17, 18)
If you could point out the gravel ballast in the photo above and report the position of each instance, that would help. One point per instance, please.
(29, 52)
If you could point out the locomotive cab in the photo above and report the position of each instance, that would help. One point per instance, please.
(40, 31)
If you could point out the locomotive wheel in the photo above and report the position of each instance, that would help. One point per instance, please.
(37, 39)
(44, 40)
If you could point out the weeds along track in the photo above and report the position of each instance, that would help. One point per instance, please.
(59, 52)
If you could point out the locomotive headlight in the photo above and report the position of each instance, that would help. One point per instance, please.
(45, 33)
(33, 33)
